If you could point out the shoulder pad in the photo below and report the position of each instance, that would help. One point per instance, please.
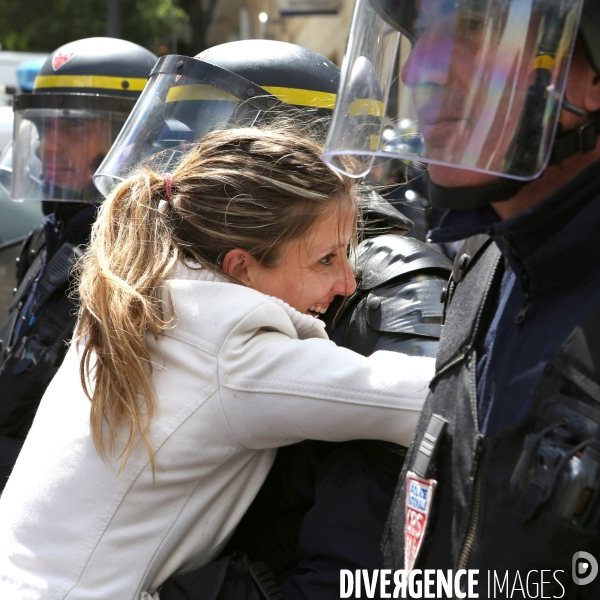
(413, 307)
(386, 257)
(467, 254)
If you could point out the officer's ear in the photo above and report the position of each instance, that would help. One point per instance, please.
(582, 89)
(592, 98)
(240, 265)
(590, 82)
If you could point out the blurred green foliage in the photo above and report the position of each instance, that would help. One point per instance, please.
(44, 25)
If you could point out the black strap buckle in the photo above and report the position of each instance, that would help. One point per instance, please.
(581, 140)
(587, 137)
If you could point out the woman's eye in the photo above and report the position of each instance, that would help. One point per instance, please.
(326, 260)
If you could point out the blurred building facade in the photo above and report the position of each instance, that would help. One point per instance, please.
(272, 19)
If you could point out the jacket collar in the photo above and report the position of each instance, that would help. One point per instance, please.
(552, 244)
(306, 326)
(534, 226)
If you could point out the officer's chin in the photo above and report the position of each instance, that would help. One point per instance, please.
(455, 177)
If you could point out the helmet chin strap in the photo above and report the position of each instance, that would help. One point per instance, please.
(579, 140)
(469, 198)
(56, 194)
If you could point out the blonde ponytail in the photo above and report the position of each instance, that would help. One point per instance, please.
(130, 253)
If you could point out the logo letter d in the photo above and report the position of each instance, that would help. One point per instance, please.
(585, 568)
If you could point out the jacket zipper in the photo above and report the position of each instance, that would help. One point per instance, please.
(508, 247)
(465, 552)
(469, 540)
(476, 475)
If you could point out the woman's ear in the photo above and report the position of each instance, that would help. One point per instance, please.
(236, 264)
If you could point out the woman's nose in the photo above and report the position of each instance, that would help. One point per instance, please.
(345, 284)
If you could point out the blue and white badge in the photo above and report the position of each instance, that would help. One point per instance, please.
(419, 497)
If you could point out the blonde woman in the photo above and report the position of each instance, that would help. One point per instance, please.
(199, 352)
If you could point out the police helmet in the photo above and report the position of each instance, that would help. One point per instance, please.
(64, 128)
(469, 84)
(236, 83)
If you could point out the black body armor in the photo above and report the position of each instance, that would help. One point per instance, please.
(397, 304)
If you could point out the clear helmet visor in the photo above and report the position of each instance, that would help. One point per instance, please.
(174, 111)
(473, 84)
(16, 219)
(57, 150)
(6, 169)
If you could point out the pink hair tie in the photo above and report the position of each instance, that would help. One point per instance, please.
(168, 184)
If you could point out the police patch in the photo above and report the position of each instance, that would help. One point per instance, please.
(419, 497)
(60, 58)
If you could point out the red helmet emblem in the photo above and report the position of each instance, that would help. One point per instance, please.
(60, 58)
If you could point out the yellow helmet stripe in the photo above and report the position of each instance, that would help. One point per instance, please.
(132, 84)
(366, 106)
(374, 142)
(300, 97)
(198, 91)
(544, 61)
(295, 96)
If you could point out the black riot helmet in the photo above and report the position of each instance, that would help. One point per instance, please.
(63, 129)
(237, 83)
(476, 85)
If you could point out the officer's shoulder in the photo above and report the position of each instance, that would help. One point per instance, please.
(403, 281)
(391, 256)
(397, 305)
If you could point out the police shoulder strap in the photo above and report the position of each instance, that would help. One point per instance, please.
(6, 331)
(578, 359)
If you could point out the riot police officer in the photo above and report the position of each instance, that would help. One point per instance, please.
(396, 307)
(63, 130)
(502, 99)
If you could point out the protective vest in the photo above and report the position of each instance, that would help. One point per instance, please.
(526, 499)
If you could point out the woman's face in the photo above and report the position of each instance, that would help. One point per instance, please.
(312, 270)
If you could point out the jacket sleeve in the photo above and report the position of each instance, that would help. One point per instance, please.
(277, 389)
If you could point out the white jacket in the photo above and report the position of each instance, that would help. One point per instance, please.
(238, 375)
